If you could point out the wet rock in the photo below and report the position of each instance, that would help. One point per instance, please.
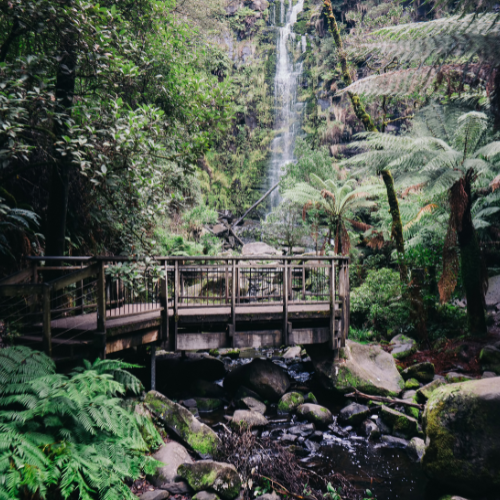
(213, 476)
(409, 395)
(316, 436)
(423, 372)
(172, 455)
(292, 352)
(370, 429)
(262, 376)
(182, 423)
(394, 442)
(290, 401)
(367, 368)
(383, 427)
(319, 415)
(424, 393)
(339, 431)
(205, 495)
(252, 404)
(462, 425)
(245, 392)
(311, 446)
(258, 248)
(489, 375)
(155, 495)
(298, 450)
(403, 346)
(412, 383)
(302, 429)
(489, 358)
(310, 398)
(288, 438)
(205, 389)
(454, 377)
(402, 425)
(208, 405)
(416, 449)
(189, 403)
(178, 488)
(248, 418)
(354, 414)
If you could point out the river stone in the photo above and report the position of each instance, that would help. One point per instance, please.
(403, 426)
(292, 352)
(353, 414)
(262, 376)
(290, 401)
(370, 429)
(409, 395)
(155, 495)
(205, 495)
(214, 476)
(453, 377)
(423, 372)
(403, 346)
(424, 393)
(412, 383)
(205, 389)
(248, 419)
(489, 358)
(172, 454)
(462, 424)
(367, 368)
(394, 442)
(303, 430)
(316, 414)
(208, 405)
(416, 448)
(259, 248)
(252, 404)
(181, 422)
(310, 398)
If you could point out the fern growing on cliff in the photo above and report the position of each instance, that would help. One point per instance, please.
(63, 436)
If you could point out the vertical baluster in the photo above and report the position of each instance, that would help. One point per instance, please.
(285, 303)
(332, 305)
(47, 335)
(176, 304)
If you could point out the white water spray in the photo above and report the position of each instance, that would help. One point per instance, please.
(288, 110)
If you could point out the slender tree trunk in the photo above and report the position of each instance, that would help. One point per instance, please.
(470, 256)
(59, 185)
(366, 119)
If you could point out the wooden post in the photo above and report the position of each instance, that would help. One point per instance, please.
(34, 272)
(173, 343)
(232, 326)
(100, 335)
(79, 301)
(303, 281)
(332, 306)
(226, 281)
(153, 366)
(164, 303)
(47, 336)
(285, 303)
(347, 304)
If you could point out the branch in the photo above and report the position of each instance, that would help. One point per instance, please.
(255, 204)
(382, 399)
(284, 491)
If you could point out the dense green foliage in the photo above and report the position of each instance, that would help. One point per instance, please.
(69, 436)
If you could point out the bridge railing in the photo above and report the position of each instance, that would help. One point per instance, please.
(67, 300)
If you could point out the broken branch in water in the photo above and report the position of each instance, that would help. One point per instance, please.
(383, 399)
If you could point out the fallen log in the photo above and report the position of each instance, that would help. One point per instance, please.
(383, 399)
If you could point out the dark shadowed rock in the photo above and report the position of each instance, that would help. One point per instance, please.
(423, 372)
(318, 415)
(252, 404)
(264, 377)
(353, 414)
(172, 455)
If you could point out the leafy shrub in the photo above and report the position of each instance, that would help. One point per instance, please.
(68, 436)
(378, 303)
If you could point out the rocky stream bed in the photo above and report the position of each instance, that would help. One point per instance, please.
(428, 436)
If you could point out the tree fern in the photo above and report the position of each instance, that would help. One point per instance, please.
(61, 436)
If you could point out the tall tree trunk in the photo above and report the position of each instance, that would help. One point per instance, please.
(366, 119)
(470, 255)
(59, 185)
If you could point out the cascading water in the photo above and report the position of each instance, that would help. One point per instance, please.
(288, 110)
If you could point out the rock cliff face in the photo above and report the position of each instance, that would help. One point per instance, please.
(462, 424)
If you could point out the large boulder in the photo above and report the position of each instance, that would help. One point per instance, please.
(367, 368)
(403, 346)
(423, 372)
(183, 424)
(489, 358)
(318, 415)
(402, 426)
(172, 455)
(258, 248)
(425, 392)
(219, 477)
(462, 424)
(268, 380)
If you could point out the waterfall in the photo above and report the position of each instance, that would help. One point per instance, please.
(288, 110)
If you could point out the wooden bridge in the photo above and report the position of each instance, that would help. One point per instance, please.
(87, 306)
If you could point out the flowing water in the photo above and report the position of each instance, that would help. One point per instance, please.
(288, 110)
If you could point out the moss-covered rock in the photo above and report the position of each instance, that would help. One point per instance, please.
(354, 414)
(367, 368)
(318, 415)
(424, 393)
(182, 423)
(219, 477)
(207, 405)
(462, 424)
(403, 346)
(248, 419)
(423, 372)
(402, 425)
(290, 401)
(454, 377)
(489, 357)
(412, 383)
(310, 398)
